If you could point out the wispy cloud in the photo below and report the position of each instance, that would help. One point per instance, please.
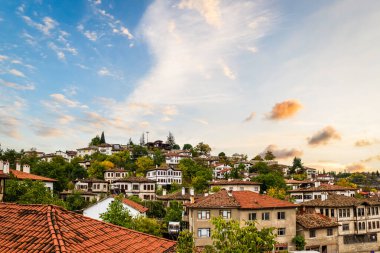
(93, 36)
(17, 86)
(366, 142)
(283, 153)
(107, 72)
(356, 167)
(250, 117)
(3, 57)
(43, 130)
(16, 72)
(371, 159)
(324, 136)
(62, 100)
(45, 27)
(285, 110)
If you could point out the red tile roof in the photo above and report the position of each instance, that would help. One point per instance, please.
(240, 200)
(253, 200)
(3, 175)
(137, 206)
(47, 228)
(23, 175)
(315, 220)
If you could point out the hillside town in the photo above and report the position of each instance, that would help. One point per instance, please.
(162, 190)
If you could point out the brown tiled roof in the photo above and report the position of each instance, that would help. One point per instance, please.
(91, 180)
(23, 175)
(292, 181)
(335, 200)
(3, 175)
(177, 196)
(241, 200)
(218, 200)
(47, 228)
(137, 206)
(234, 182)
(135, 180)
(164, 167)
(253, 200)
(115, 170)
(315, 220)
(324, 187)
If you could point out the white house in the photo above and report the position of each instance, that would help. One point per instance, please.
(165, 175)
(135, 186)
(92, 185)
(67, 155)
(236, 185)
(81, 152)
(220, 170)
(174, 157)
(114, 174)
(321, 192)
(101, 206)
(105, 149)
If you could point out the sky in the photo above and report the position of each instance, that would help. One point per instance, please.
(299, 78)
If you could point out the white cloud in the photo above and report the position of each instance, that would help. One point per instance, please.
(3, 57)
(123, 31)
(65, 119)
(62, 100)
(104, 72)
(91, 35)
(16, 72)
(209, 9)
(17, 86)
(45, 27)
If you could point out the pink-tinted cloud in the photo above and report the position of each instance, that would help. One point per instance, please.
(356, 167)
(282, 153)
(250, 117)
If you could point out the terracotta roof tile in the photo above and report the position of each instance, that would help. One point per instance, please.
(137, 206)
(46, 228)
(335, 200)
(177, 196)
(135, 180)
(253, 200)
(23, 175)
(324, 187)
(240, 200)
(315, 220)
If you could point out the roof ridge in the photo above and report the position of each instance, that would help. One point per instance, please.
(55, 232)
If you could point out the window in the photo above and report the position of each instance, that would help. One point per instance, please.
(203, 232)
(312, 233)
(308, 197)
(252, 216)
(265, 216)
(360, 212)
(135, 187)
(241, 188)
(280, 231)
(226, 214)
(204, 215)
(329, 232)
(369, 225)
(346, 227)
(321, 210)
(344, 213)
(281, 215)
(332, 213)
(327, 212)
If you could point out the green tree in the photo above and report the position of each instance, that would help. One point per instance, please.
(102, 139)
(269, 155)
(170, 140)
(297, 164)
(158, 157)
(270, 180)
(202, 148)
(176, 147)
(346, 183)
(143, 164)
(121, 159)
(138, 151)
(299, 241)
(96, 170)
(174, 212)
(260, 167)
(278, 193)
(95, 141)
(147, 225)
(185, 242)
(229, 237)
(75, 202)
(258, 158)
(187, 146)
(142, 140)
(117, 214)
(30, 192)
(156, 209)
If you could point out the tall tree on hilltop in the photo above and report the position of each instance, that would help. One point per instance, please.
(95, 141)
(142, 140)
(102, 139)
(170, 140)
(297, 164)
(269, 155)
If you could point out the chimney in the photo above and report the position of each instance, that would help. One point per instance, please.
(163, 192)
(317, 184)
(192, 200)
(18, 166)
(191, 191)
(6, 167)
(26, 168)
(229, 192)
(1, 164)
(183, 191)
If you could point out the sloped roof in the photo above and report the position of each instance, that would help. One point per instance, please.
(3, 175)
(218, 200)
(315, 220)
(324, 187)
(178, 196)
(23, 175)
(234, 182)
(253, 200)
(240, 200)
(335, 200)
(47, 228)
(137, 206)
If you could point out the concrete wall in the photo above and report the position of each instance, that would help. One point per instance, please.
(321, 239)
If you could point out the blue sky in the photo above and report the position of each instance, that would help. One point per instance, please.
(298, 77)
